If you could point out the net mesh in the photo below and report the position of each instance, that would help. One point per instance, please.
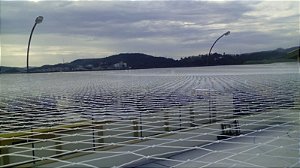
(150, 119)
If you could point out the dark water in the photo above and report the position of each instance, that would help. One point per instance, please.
(42, 100)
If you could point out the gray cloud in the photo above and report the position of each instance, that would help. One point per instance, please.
(163, 28)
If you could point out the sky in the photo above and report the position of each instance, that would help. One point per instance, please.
(174, 29)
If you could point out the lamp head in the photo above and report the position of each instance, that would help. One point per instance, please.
(39, 19)
(227, 33)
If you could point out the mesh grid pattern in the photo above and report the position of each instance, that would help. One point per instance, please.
(152, 118)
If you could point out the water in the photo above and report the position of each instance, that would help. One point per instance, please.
(48, 99)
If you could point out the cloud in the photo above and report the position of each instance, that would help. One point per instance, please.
(277, 9)
(77, 29)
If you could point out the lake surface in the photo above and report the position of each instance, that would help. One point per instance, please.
(46, 99)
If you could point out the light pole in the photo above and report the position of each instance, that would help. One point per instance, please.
(38, 20)
(298, 61)
(225, 34)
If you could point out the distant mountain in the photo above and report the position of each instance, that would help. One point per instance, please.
(133, 60)
(294, 54)
(144, 61)
(262, 57)
(114, 62)
(4, 69)
(278, 55)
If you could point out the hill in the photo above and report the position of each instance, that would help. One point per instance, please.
(294, 54)
(133, 60)
(114, 62)
(262, 57)
(278, 55)
(4, 69)
(144, 61)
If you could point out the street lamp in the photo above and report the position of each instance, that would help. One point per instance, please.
(38, 20)
(225, 34)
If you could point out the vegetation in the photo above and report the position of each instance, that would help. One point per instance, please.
(143, 61)
(133, 60)
(294, 54)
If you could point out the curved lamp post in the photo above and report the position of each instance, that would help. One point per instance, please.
(38, 20)
(225, 34)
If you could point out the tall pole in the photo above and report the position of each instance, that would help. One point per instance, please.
(225, 34)
(29, 46)
(38, 20)
(298, 61)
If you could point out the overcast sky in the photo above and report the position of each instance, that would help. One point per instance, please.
(175, 29)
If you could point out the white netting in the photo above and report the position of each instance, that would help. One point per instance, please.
(189, 117)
